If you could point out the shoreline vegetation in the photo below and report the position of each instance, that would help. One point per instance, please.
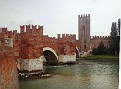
(101, 57)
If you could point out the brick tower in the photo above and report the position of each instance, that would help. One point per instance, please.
(84, 32)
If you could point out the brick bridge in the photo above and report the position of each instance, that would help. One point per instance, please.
(32, 48)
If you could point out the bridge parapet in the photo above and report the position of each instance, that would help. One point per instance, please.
(32, 29)
(3, 29)
(66, 36)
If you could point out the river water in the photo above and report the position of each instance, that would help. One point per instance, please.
(84, 75)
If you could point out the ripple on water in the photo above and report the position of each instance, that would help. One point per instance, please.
(88, 75)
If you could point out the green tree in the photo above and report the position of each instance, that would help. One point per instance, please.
(115, 38)
(119, 22)
(100, 50)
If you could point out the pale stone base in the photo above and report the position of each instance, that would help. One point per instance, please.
(31, 64)
(67, 58)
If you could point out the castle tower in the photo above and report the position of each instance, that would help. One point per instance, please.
(84, 32)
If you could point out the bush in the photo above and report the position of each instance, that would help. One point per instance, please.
(100, 50)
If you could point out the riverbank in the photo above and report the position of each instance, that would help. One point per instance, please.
(101, 57)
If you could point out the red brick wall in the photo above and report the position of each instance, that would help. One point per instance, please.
(29, 43)
(8, 70)
(50, 42)
(66, 44)
(95, 41)
(30, 46)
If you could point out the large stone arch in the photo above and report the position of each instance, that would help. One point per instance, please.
(50, 56)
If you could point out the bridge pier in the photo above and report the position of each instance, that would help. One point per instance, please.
(67, 58)
(31, 66)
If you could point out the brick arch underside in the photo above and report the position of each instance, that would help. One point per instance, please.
(50, 56)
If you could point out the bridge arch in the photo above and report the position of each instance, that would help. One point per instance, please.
(50, 56)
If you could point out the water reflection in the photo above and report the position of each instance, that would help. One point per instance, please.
(105, 77)
(87, 75)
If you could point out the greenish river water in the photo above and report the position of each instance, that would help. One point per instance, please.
(84, 75)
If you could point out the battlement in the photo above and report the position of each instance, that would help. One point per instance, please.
(66, 36)
(3, 29)
(84, 15)
(14, 31)
(47, 37)
(31, 29)
(100, 37)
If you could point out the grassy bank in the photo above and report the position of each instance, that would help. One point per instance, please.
(101, 57)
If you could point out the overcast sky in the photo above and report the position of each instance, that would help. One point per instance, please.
(60, 16)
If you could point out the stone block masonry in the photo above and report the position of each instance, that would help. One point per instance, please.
(31, 65)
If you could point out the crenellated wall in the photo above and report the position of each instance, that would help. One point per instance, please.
(29, 43)
(32, 29)
(67, 44)
(100, 37)
(28, 46)
(95, 41)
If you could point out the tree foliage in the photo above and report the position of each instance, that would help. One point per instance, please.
(119, 22)
(114, 42)
(100, 50)
(115, 38)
